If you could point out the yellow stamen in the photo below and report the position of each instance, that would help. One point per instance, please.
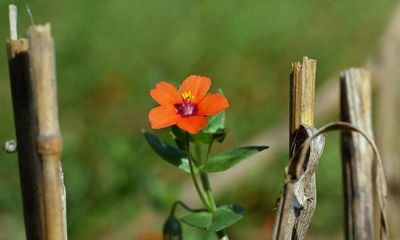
(187, 96)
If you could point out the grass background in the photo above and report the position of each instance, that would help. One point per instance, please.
(110, 53)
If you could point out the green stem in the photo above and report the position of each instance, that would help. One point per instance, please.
(210, 204)
(207, 188)
(183, 205)
(208, 152)
(192, 173)
(199, 157)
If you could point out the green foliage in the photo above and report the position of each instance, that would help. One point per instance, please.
(215, 123)
(214, 130)
(222, 218)
(167, 152)
(200, 220)
(170, 154)
(213, 220)
(216, 163)
(180, 137)
(225, 160)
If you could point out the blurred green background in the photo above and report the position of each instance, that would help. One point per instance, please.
(110, 53)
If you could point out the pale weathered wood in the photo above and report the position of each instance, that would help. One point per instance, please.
(298, 197)
(43, 75)
(359, 165)
(302, 94)
(386, 68)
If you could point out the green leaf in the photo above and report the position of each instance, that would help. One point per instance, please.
(215, 123)
(222, 218)
(170, 154)
(208, 138)
(213, 131)
(200, 220)
(180, 137)
(201, 137)
(220, 135)
(225, 160)
(184, 165)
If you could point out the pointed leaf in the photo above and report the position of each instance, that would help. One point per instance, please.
(224, 217)
(184, 165)
(201, 137)
(180, 137)
(200, 220)
(215, 123)
(208, 138)
(170, 154)
(220, 135)
(225, 160)
(213, 131)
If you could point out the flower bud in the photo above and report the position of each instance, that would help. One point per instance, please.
(172, 229)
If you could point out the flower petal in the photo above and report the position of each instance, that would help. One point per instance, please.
(165, 94)
(192, 124)
(163, 116)
(212, 104)
(197, 85)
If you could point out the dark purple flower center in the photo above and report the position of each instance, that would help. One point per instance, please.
(186, 109)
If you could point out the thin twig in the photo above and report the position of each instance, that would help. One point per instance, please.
(13, 18)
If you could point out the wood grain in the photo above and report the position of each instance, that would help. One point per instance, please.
(298, 197)
(43, 75)
(360, 169)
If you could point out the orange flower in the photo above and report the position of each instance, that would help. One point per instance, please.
(188, 107)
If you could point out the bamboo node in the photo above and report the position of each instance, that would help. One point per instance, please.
(18, 46)
(49, 145)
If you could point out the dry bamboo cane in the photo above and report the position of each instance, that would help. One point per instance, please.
(298, 197)
(364, 217)
(32, 75)
(30, 169)
(43, 76)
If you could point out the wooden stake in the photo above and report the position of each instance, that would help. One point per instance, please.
(32, 75)
(302, 95)
(25, 126)
(43, 75)
(298, 197)
(359, 166)
(387, 115)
